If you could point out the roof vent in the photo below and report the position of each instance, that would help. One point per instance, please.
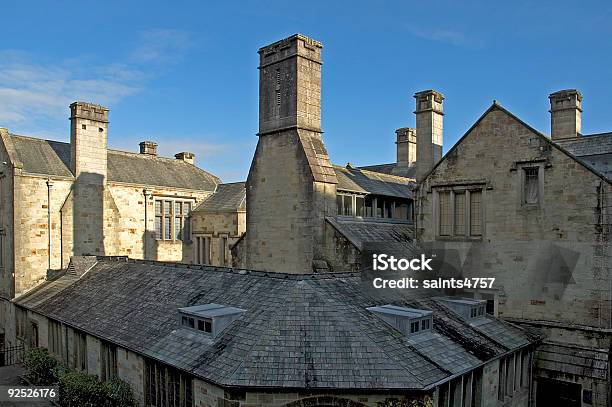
(211, 319)
(408, 321)
(466, 307)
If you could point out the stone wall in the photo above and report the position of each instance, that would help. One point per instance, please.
(286, 207)
(122, 219)
(230, 225)
(7, 286)
(210, 395)
(549, 261)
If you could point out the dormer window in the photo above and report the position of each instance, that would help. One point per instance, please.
(467, 307)
(209, 319)
(409, 321)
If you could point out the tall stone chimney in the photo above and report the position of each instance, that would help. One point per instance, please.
(291, 186)
(83, 213)
(406, 147)
(88, 142)
(429, 115)
(565, 114)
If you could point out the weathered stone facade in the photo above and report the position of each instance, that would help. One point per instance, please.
(549, 257)
(58, 200)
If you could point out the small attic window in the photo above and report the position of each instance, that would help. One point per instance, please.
(466, 307)
(210, 319)
(409, 321)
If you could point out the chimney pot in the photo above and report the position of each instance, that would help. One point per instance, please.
(148, 147)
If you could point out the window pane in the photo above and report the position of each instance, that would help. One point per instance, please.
(401, 211)
(531, 186)
(379, 207)
(445, 213)
(388, 209)
(348, 205)
(460, 213)
(339, 204)
(186, 208)
(476, 213)
(178, 228)
(167, 207)
(158, 227)
(178, 209)
(167, 225)
(359, 206)
(158, 205)
(368, 207)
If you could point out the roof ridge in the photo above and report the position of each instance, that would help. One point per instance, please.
(382, 174)
(37, 138)
(234, 270)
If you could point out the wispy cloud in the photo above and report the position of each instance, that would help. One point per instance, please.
(33, 90)
(452, 37)
(160, 45)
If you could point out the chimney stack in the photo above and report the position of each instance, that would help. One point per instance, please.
(429, 115)
(406, 147)
(291, 172)
(565, 114)
(185, 156)
(88, 142)
(148, 147)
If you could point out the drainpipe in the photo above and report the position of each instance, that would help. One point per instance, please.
(147, 194)
(49, 188)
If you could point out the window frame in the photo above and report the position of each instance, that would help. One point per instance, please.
(202, 247)
(56, 339)
(79, 350)
(108, 360)
(522, 184)
(468, 228)
(374, 207)
(184, 218)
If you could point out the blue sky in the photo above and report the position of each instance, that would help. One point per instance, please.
(185, 73)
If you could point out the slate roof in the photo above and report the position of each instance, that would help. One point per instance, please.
(370, 182)
(593, 150)
(392, 169)
(226, 198)
(573, 360)
(359, 232)
(297, 332)
(48, 157)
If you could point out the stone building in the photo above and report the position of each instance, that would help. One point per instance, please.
(59, 199)
(218, 223)
(188, 335)
(535, 213)
(293, 324)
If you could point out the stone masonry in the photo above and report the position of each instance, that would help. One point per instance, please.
(291, 183)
